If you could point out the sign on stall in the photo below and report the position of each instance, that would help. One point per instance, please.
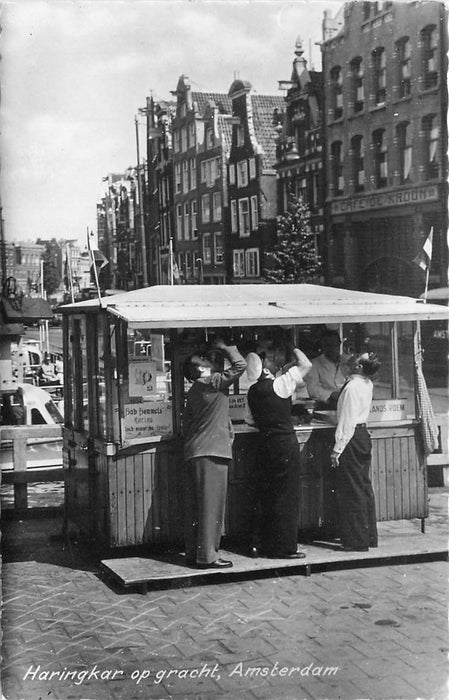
(149, 419)
(384, 410)
(237, 404)
(142, 377)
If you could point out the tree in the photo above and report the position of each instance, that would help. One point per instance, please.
(294, 258)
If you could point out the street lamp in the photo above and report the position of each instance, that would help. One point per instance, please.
(141, 212)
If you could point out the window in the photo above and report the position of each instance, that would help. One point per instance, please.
(431, 136)
(404, 140)
(183, 139)
(207, 253)
(358, 160)
(316, 189)
(192, 174)
(380, 158)
(188, 264)
(244, 229)
(429, 40)
(337, 92)
(186, 220)
(192, 134)
(231, 174)
(404, 64)
(252, 168)
(176, 140)
(216, 206)
(205, 208)
(380, 67)
(183, 109)
(300, 189)
(218, 248)
(238, 263)
(254, 213)
(209, 138)
(210, 171)
(358, 90)
(337, 168)
(177, 178)
(234, 219)
(185, 176)
(193, 218)
(242, 173)
(240, 135)
(179, 221)
(252, 262)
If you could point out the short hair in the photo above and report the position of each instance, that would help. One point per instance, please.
(191, 366)
(370, 363)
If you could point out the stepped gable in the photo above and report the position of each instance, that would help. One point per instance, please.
(223, 102)
(263, 107)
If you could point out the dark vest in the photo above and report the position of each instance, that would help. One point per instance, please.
(271, 413)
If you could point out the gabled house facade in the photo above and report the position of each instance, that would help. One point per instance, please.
(197, 174)
(252, 181)
(213, 154)
(300, 152)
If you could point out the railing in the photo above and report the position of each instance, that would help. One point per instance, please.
(17, 438)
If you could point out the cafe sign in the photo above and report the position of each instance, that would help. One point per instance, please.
(383, 200)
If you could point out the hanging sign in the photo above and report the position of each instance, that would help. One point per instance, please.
(142, 377)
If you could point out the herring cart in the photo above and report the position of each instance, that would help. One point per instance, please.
(124, 398)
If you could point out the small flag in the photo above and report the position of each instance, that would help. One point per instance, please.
(424, 257)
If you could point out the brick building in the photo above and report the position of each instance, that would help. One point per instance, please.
(198, 157)
(252, 180)
(384, 68)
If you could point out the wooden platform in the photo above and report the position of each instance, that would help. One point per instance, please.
(399, 542)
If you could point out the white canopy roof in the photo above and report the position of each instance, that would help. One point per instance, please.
(179, 306)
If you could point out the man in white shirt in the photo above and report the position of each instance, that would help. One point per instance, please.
(329, 371)
(351, 457)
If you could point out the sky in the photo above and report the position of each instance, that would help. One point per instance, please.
(74, 73)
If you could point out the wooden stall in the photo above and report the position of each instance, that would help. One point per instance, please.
(124, 397)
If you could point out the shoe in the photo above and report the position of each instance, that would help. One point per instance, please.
(218, 564)
(253, 552)
(294, 555)
(355, 549)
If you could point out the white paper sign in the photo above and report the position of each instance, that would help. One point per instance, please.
(148, 419)
(142, 377)
(237, 404)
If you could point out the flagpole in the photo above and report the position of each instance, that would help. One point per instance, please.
(427, 284)
(92, 257)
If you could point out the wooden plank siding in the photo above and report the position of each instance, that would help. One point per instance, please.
(137, 497)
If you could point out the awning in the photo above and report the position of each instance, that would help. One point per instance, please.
(180, 306)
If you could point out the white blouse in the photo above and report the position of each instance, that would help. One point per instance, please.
(353, 407)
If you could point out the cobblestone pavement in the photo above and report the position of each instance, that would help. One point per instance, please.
(377, 633)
